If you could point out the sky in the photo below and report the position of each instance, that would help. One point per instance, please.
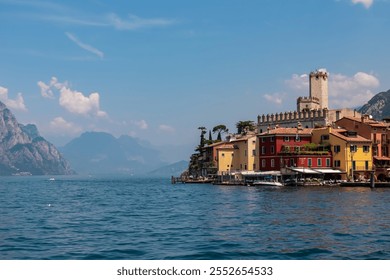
(158, 70)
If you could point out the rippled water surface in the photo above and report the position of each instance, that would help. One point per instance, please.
(140, 218)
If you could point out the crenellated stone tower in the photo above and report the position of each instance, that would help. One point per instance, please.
(312, 111)
(318, 92)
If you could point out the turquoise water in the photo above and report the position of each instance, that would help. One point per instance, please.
(140, 218)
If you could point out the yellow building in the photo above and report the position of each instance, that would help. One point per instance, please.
(225, 154)
(245, 153)
(238, 154)
(351, 152)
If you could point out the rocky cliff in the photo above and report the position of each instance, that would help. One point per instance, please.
(378, 106)
(24, 151)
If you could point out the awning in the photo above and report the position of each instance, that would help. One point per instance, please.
(304, 170)
(329, 171)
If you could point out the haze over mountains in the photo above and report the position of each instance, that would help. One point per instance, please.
(102, 153)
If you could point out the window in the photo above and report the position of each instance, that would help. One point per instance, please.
(263, 150)
(263, 140)
(254, 166)
(272, 149)
(366, 149)
(292, 162)
(297, 138)
(328, 162)
(336, 148)
(223, 154)
(286, 139)
(272, 162)
(354, 165)
(319, 161)
(366, 164)
(336, 163)
(324, 137)
(272, 139)
(253, 152)
(263, 163)
(353, 148)
(245, 167)
(309, 162)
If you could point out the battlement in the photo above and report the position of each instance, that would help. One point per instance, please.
(319, 74)
(294, 116)
(308, 99)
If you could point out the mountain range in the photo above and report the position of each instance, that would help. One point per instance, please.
(24, 152)
(102, 153)
(378, 106)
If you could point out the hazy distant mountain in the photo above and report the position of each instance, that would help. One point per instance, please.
(378, 106)
(24, 151)
(174, 169)
(100, 152)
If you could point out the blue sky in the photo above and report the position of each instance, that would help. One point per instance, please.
(157, 70)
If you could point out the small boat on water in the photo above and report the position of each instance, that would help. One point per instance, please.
(267, 183)
(52, 179)
(269, 179)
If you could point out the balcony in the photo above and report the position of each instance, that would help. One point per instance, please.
(308, 149)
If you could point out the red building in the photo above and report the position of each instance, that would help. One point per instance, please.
(291, 147)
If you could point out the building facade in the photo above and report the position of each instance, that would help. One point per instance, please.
(351, 152)
(290, 147)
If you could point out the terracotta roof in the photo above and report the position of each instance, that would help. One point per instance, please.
(357, 138)
(382, 158)
(287, 131)
(226, 146)
(369, 122)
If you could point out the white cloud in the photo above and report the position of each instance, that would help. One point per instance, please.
(76, 102)
(166, 128)
(142, 124)
(72, 100)
(46, 90)
(60, 125)
(299, 83)
(134, 22)
(344, 91)
(276, 98)
(84, 46)
(16, 104)
(366, 3)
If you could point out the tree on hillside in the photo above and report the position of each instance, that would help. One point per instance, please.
(202, 139)
(244, 126)
(220, 129)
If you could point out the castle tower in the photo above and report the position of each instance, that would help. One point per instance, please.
(319, 87)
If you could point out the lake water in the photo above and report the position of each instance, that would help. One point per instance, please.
(142, 218)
